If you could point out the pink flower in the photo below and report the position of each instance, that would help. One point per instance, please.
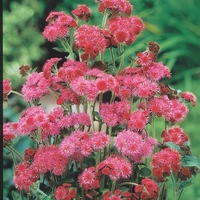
(64, 192)
(6, 88)
(165, 162)
(75, 119)
(82, 12)
(99, 140)
(58, 26)
(84, 87)
(136, 85)
(125, 29)
(68, 96)
(116, 6)
(9, 130)
(81, 144)
(36, 86)
(115, 167)
(89, 179)
(56, 162)
(115, 113)
(158, 71)
(145, 59)
(174, 134)
(24, 176)
(190, 97)
(71, 70)
(138, 120)
(47, 67)
(31, 119)
(173, 110)
(133, 145)
(90, 40)
(147, 190)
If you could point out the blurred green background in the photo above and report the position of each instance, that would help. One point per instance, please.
(175, 25)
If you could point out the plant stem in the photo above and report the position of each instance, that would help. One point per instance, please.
(17, 93)
(10, 148)
(112, 56)
(91, 117)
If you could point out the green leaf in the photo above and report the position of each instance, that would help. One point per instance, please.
(183, 184)
(145, 171)
(190, 161)
(15, 195)
(173, 146)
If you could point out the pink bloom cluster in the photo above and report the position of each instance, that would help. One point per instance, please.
(89, 179)
(125, 29)
(56, 162)
(6, 88)
(115, 6)
(134, 145)
(135, 85)
(138, 120)
(64, 192)
(90, 40)
(81, 144)
(58, 26)
(173, 110)
(165, 162)
(24, 176)
(115, 167)
(9, 132)
(115, 113)
(175, 134)
(35, 87)
(147, 190)
(82, 12)
(190, 97)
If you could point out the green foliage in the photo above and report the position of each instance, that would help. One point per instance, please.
(19, 46)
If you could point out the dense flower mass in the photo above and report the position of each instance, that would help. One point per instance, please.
(24, 176)
(64, 192)
(115, 113)
(190, 97)
(134, 145)
(90, 40)
(56, 163)
(35, 87)
(147, 190)
(175, 134)
(81, 144)
(115, 6)
(115, 167)
(125, 29)
(58, 26)
(89, 179)
(165, 162)
(99, 139)
(9, 130)
(82, 12)
(6, 88)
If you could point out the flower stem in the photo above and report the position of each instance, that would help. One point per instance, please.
(17, 93)
(112, 56)
(10, 148)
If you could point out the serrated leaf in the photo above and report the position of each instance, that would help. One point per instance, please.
(190, 161)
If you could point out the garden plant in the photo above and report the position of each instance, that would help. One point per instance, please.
(100, 140)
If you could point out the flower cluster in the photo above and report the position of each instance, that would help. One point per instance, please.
(147, 190)
(92, 145)
(165, 162)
